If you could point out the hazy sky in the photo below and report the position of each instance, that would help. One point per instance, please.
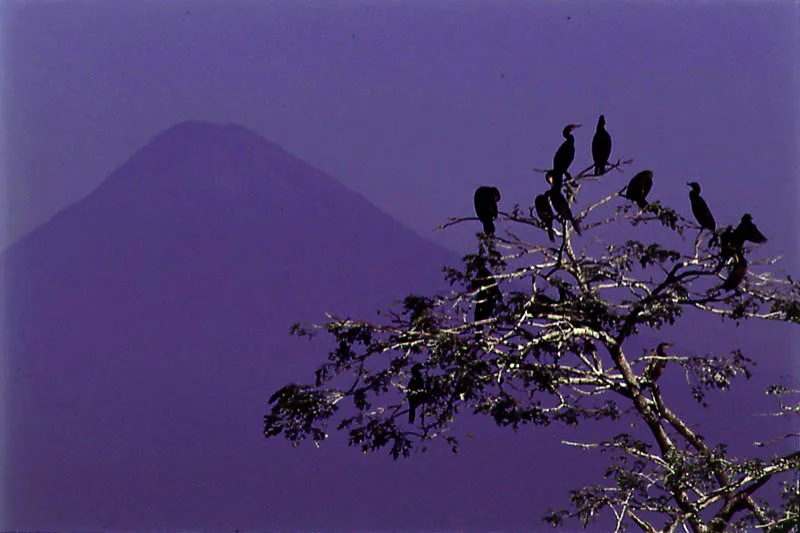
(413, 104)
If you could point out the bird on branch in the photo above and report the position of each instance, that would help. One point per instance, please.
(566, 152)
(488, 294)
(485, 200)
(601, 147)
(416, 392)
(561, 205)
(737, 273)
(747, 231)
(545, 214)
(655, 367)
(639, 187)
(730, 243)
(700, 208)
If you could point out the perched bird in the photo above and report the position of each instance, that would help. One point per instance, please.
(488, 294)
(545, 214)
(730, 243)
(747, 231)
(416, 392)
(639, 187)
(700, 208)
(737, 273)
(601, 147)
(565, 153)
(486, 199)
(556, 181)
(561, 206)
(655, 367)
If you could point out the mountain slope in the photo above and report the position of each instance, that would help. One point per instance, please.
(149, 322)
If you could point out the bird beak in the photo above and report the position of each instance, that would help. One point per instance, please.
(576, 126)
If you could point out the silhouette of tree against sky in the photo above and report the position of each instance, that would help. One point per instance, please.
(562, 343)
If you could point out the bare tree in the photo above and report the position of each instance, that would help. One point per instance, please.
(556, 347)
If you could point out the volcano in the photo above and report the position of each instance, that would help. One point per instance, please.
(148, 323)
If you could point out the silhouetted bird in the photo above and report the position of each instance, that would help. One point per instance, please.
(416, 392)
(639, 187)
(747, 231)
(556, 181)
(486, 199)
(565, 153)
(488, 294)
(561, 206)
(737, 273)
(700, 208)
(545, 214)
(730, 243)
(601, 147)
(655, 367)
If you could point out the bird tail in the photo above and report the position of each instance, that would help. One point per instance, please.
(488, 227)
(550, 233)
(575, 225)
(412, 413)
(599, 169)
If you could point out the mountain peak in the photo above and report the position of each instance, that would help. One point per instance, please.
(222, 160)
(202, 131)
(199, 140)
(153, 315)
(199, 177)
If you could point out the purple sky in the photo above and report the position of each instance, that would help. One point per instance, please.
(412, 104)
(407, 102)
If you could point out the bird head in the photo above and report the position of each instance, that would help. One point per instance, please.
(601, 121)
(554, 180)
(568, 129)
(694, 185)
(416, 370)
(496, 192)
(747, 218)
